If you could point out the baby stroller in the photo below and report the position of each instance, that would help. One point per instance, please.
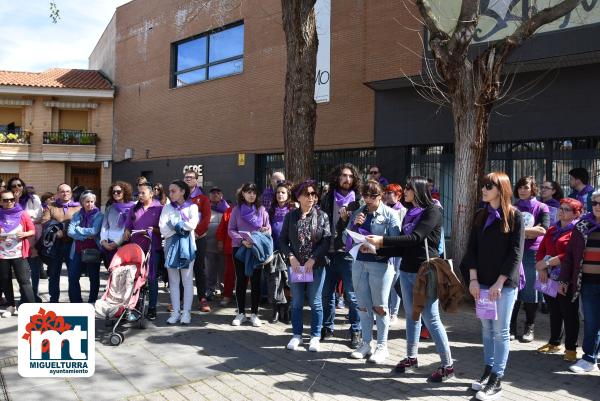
(126, 295)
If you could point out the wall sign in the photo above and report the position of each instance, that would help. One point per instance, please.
(323, 72)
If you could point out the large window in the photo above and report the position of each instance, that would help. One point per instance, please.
(211, 55)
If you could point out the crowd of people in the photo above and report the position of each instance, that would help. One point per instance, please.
(372, 245)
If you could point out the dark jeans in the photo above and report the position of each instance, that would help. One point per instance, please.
(562, 310)
(23, 275)
(590, 299)
(241, 284)
(200, 267)
(340, 267)
(55, 267)
(35, 264)
(74, 271)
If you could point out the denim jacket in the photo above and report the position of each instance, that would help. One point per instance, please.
(79, 233)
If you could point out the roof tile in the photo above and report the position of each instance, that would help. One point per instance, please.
(56, 78)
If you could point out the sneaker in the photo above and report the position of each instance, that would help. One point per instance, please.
(313, 346)
(583, 366)
(5, 314)
(225, 301)
(12, 310)
(294, 343)
(393, 318)
(340, 303)
(380, 355)
(492, 389)
(239, 319)
(442, 374)
(406, 365)
(528, 335)
(570, 356)
(425, 335)
(174, 318)
(355, 339)
(326, 333)
(362, 351)
(204, 307)
(549, 349)
(479, 384)
(255, 320)
(186, 317)
(151, 314)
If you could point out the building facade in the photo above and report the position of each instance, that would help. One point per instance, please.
(55, 127)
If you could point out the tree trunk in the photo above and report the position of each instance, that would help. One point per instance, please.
(300, 108)
(470, 153)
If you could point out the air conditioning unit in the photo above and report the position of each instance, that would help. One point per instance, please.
(128, 153)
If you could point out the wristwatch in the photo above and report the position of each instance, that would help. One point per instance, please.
(547, 262)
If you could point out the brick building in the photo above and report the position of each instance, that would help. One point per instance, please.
(56, 126)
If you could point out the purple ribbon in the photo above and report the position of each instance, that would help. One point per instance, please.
(66, 206)
(10, 218)
(493, 215)
(123, 208)
(250, 215)
(343, 200)
(220, 207)
(411, 220)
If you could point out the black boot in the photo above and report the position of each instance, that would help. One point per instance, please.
(479, 384)
(275, 317)
(492, 390)
(513, 320)
(284, 314)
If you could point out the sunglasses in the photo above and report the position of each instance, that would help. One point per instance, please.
(565, 209)
(156, 188)
(117, 192)
(594, 203)
(6, 200)
(313, 194)
(489, 185)
(548, 188)
(371, 196)
(16, 186)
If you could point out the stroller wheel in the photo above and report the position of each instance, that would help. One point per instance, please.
(116, 339)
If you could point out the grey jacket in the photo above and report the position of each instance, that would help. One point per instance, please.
(290, 244)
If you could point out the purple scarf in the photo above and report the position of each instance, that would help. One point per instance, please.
(342, 200)
(197, 191)
(411, 220)
(24, 199)
(591, 219)
(397, 206)
(123, 208)
(66, 206)
(561, 230)
(530, 205)
(251, 216)
(87, 218)
(10, 218)
(493, 215)
(180, 208)
(220, 207)
(279, 213)
(552, 203)
(580, 195)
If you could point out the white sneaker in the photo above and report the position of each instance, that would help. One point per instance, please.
(174, 318)
(363, 351)
(239, 319)
(186, 317)
(583, 366)
(393, 319)
(314, 344)
(12, 310)
(255, 321)
(380, 354)
(294, 343)
(6, 314)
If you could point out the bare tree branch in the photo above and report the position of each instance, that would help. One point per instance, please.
(438, 37)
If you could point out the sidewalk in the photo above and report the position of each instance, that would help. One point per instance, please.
(211, 360)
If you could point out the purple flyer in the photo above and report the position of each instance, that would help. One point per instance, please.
(484, 308)
(301, 276)
(550, 287)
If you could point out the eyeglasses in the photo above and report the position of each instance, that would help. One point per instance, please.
(548, 188)
(594, 203)
(311, 194)
(189, 177)
(565, 209)
(16, 186)
(371, 196)
(489, 186)
(374, 172)
(6, 200)
(117, 192)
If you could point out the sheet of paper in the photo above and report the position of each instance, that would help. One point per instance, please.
(359, 240)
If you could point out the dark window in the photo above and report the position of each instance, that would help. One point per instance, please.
(211, 55)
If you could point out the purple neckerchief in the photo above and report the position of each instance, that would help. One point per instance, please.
(220, 207)
(561, 230)
(87, 218)
(342, 200)
(66, 206)
(411, 220)
(397, 206)
(593, 224)
(552, 203)
(197, 191)
(180, 208)
(24, 199)
(580, 195)
(530, 205)
(123, 208)
(251, 216)
(493, 215)
(279, 213)
(10, 218)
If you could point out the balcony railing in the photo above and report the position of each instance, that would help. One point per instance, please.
(70, 138)
(17, 136)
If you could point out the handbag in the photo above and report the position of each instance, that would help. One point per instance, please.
(432, 273)
(90, 255)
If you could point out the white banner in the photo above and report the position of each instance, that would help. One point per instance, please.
(323, 73)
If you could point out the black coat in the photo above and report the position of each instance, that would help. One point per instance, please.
(290, 244)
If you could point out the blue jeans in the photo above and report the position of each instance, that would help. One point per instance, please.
(55, 267)
(372, 283)
(529, 293)
(74, 271)
(496, 333)
(312, 291)
(35, 263)
(395, 292)
(340, 267)
(431, 317)
(590, 300)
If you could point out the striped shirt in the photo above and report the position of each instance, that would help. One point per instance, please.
(591, 256)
